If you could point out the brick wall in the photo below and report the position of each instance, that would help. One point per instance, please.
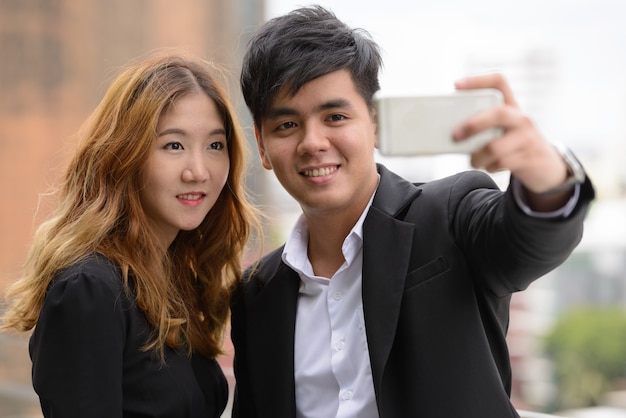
(56, 60)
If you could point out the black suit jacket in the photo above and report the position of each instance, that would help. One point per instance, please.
(440, 262)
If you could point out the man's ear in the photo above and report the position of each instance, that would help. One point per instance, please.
(259, 143)
(374, 117)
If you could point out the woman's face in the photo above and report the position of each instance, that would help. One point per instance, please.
(187, 167)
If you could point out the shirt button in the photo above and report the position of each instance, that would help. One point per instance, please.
(337, 295)
(340, 345)
(347, 395)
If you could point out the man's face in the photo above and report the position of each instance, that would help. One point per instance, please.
(320, 143)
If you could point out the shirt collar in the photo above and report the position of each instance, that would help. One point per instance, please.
(295, 250)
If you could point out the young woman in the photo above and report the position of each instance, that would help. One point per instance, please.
(127, 286)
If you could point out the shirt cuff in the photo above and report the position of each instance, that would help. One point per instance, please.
(522, 202)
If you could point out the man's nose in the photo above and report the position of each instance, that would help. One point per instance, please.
(314, 139)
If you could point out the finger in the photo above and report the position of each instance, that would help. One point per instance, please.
(484, 158)
(505, 117)
(491, 162)
(501, 153)
(485, 81)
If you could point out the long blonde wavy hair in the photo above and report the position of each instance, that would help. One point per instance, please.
(184, 293)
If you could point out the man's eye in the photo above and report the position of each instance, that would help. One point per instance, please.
(173, 146)
(286, 125)
(336, 118)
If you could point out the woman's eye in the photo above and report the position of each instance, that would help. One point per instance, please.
(217, 145)
(173, 146)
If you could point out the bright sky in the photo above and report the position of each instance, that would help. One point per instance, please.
(427, 45)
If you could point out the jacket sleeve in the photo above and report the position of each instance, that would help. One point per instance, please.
(505, 247)
(77, 349)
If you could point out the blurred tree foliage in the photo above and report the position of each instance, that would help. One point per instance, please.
(588, 347)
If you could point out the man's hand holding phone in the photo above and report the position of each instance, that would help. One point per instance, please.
(484, 120)
(521, 149)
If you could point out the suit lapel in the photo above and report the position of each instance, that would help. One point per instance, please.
(385, 262)
(386, 254)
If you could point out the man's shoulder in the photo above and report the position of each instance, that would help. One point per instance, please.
(264, 268)
(468, 179)
(260, 274)
(451, 190)
(465, 179)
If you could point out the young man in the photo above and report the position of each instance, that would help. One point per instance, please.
(389, 299)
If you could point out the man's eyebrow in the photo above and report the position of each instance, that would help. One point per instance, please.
(333, 104)
(277, 112)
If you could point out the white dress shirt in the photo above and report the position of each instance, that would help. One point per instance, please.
(333, 375)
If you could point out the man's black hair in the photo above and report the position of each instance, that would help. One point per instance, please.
(307, 43)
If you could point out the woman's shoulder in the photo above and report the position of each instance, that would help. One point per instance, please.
(94, 263)
(84, 297)
(94, 275)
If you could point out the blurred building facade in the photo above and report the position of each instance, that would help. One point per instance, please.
(57, 58)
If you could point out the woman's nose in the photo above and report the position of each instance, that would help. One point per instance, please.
(196, 169)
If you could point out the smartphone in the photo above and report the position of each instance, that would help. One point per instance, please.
(423, 125)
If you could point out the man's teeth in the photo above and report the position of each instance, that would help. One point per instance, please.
(319, 172)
